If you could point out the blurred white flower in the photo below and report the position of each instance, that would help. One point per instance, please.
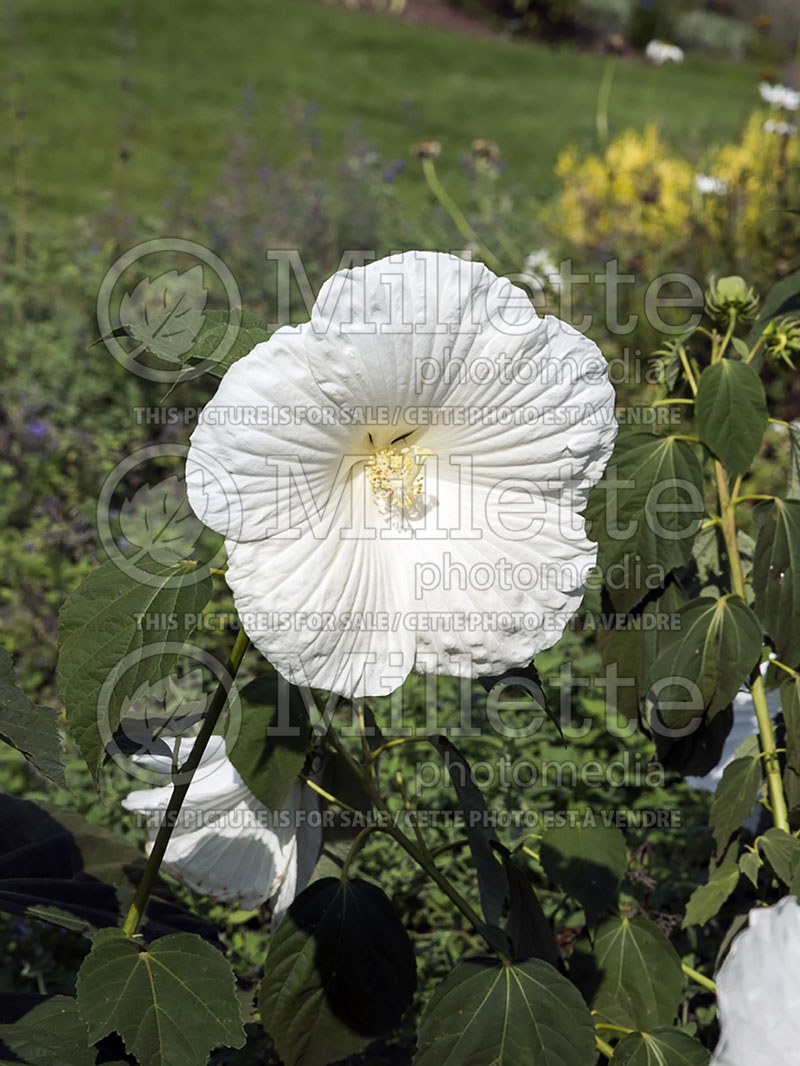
(757, 991)
(707, 184)
(226, 844)
(779, 96)
(773, 125)
(411, 467)
(660, 52)
(540, 266)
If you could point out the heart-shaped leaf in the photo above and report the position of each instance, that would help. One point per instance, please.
(731, 412)
(172, 1002)
(340, 973)
(525, 1014)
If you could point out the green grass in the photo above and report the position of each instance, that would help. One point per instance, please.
(192, 62)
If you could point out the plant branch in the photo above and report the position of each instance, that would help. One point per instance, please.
(168, 822)
(765, 728)
(699, 979)
(435, 874)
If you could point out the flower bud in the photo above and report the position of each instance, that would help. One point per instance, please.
(729, 297)
(426, 149)
(782, 339)
(483, 149)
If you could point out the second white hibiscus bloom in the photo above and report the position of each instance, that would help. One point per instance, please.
(410, 467)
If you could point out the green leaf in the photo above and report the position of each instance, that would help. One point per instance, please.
(172, 1002)
(782, 852)
(107, 651)
(522, 688)
(644, 513)
(782, 298)
(793, 477)
(529, 932)
(749, 865)
(731, 412)
(159, 522)
(525, 1014)
(710, 557)
(49, 1033)
(480, 833)
(790, 705)
(57, 867)
(340, 973)
(270, 746)
(776, 575)
(32, 730)
(707, 899)
(716, 646)
(740, 347)
(340, 780)
(587, 862)
(631, 643)
(699, 751)
(734, 798)
(661, 1047)
(251, 331)
(640, 980)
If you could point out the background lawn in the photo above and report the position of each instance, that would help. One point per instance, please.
(195, 69)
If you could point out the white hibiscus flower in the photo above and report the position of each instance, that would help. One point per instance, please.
(659, 52)
(779, 96)
(226, 844)
(757, 991)
(411, 465)
(708, 185)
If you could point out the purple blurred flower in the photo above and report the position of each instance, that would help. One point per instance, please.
(37, 427)
(395, 168)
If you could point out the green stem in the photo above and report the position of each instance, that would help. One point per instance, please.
(355, 847)
(220, 698)
(395, 743)
(780, 815)
(433, 872)
(728, 334)
(687, 369)
(765, 728)
(603, 97)
(327, 795)
(699, 979)
(603, 1047)
(751, 496)
(457, 215)
(783, 666)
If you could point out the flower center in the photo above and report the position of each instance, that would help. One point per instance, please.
(397, 479)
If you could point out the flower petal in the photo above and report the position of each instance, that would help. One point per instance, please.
(322, 610)
(756, 990)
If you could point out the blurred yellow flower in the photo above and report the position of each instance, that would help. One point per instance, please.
(635, 196)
